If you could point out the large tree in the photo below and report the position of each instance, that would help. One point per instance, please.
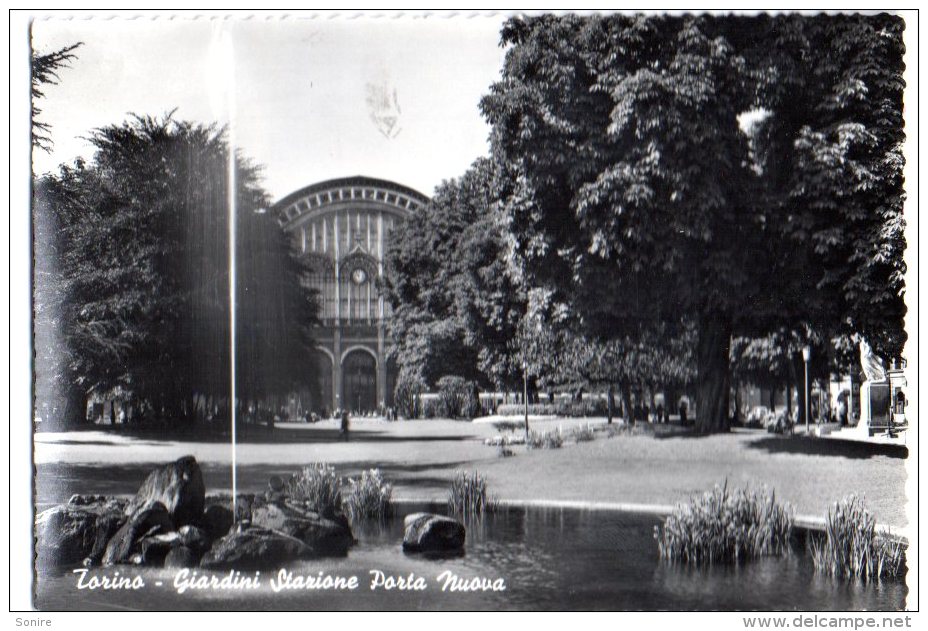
(142, 272)
(640, 192)
(457, 307)
(830, 152)
(44, 69)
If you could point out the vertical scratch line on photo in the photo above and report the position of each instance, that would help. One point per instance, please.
(228, 66)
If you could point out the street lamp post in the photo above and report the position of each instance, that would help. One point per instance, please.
(525, 394)
(806, 356)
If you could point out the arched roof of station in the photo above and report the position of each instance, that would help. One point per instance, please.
(348, 190)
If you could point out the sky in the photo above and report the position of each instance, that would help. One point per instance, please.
(309, 99)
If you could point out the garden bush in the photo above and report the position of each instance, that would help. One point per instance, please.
(563, 407)
(851, 547)
(582, 433)
(406, 396)
(725, 526)
(367, 497)
(469, 496)
(549, 439)
(457, 397)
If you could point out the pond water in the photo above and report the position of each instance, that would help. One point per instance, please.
(548, 559)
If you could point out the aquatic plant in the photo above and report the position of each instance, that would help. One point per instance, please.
(851, 546)
(318, 487)
(367, 497)
(469, 496)
(549, 439)
(725, 526)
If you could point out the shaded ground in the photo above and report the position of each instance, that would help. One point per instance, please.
(421, 456)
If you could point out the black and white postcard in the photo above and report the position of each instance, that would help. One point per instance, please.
(500, 311)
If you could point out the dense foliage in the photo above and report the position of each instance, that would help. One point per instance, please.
(44, 71)
(456, 309)
(132, 294)
(711, 168)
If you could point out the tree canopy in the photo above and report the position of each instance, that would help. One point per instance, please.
(642, 195)
(135, 280)
(44, 71)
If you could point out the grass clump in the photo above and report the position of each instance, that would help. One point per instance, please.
(583, 433)
(469, 496)
(549, 439)
(367, 497)
(318, 487)
(851, 547)
(725, 526)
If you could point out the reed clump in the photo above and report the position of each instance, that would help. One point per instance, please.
(469, 496)
(851, 546)
(367, 497)
(725, 526)
(318, 487)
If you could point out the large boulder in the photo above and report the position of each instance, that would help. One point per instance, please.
(323, 536)
(249, 547)
(126, 542)
(216, 521)
(155, 549)
(72, 534)
(426, 532)
(181, 557)
(179, 486)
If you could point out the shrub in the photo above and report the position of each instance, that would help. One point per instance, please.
(563, 407)
(508, 426)
(496, 441)
(725, 526)
(430, 407)
(318, 487)
(518, 409)
(406, 396)
(851, 546)
(457, 397)
(367, 497)
(583, 433)
(549, 439)
(469, 496)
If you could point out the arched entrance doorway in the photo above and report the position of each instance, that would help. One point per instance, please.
(359, 381)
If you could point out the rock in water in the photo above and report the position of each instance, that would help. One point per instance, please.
(126, 542)
(426, 532)
(181, 557)
(323, 536)
(179, 486)
(216, 521)
(68, 534)
(255, 547)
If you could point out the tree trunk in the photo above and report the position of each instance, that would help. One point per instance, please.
(773, 399)
(737, 389)
(713, 376)
(626, 391)
(610, 404)
(73, 410)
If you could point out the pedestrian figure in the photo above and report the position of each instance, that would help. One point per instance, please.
(683, 412)
(344, 425)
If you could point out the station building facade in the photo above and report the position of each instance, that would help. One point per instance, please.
(341, 228)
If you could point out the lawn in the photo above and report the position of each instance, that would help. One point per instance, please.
(419, 457)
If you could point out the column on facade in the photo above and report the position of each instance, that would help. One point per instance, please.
(337, 332)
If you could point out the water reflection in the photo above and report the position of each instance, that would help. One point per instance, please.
(554, 559)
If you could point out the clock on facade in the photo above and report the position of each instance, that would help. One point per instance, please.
(359, 276)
